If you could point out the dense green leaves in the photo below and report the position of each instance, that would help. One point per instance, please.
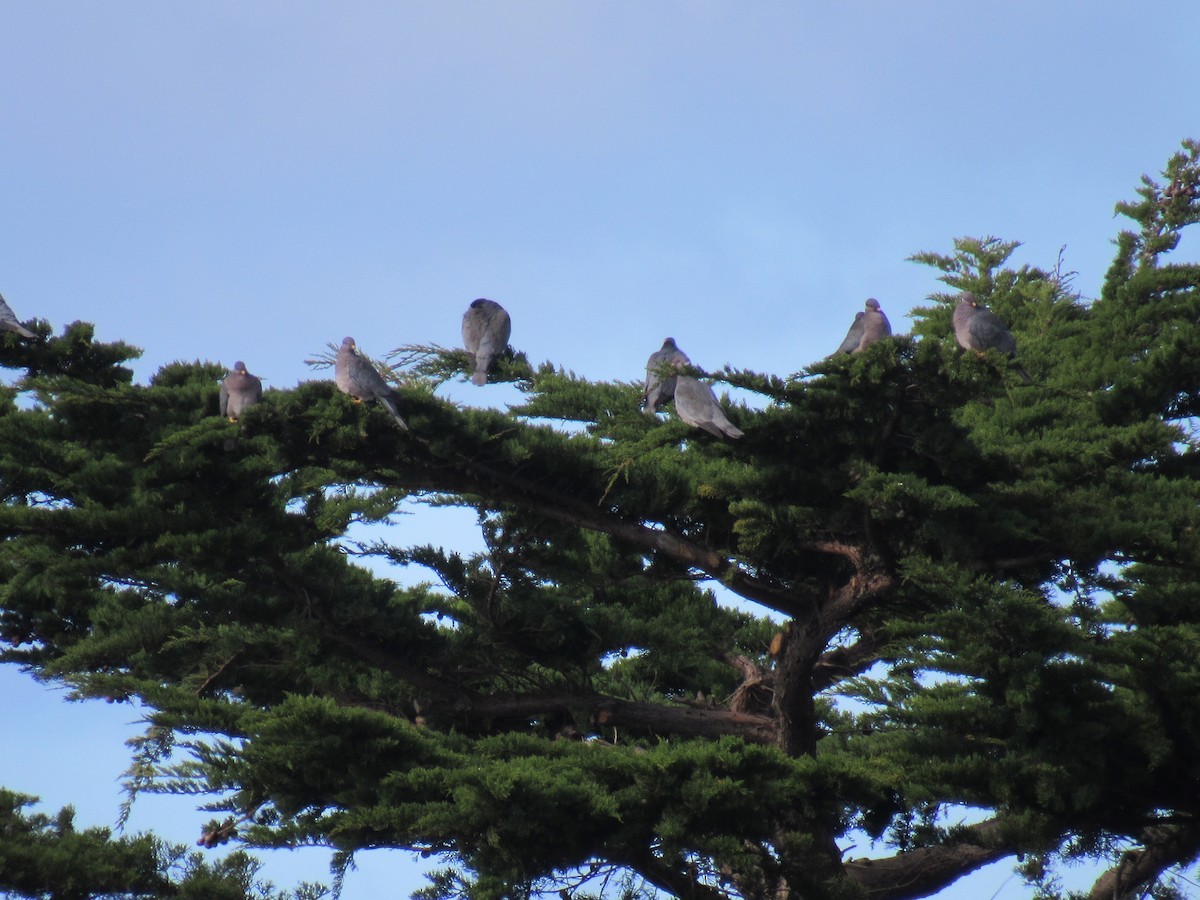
(916, 586)
(47, 857)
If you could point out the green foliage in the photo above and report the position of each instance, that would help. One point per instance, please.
(43, 856)
(680, 665)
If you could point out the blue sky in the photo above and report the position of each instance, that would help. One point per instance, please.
(230, 180)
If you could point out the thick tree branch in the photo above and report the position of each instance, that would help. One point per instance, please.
(845, 662)
(919, 873)
(612, 712)
(669, 880)
(445, 698)
(1161, 848)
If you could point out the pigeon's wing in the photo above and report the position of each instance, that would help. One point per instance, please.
(248, 392)
(497, 329)
(367, 380)
(8, 321)
(224, 405)
(875, 328)
(370, 384)
(964, 321)
(697, 405)
(853, 336)
(992, 334)
(659, 389)
(472, 329)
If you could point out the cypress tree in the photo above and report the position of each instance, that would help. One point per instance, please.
(783, 666)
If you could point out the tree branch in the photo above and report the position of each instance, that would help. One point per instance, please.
(472, 477)
(845, 662)
(667, 879)
(1162, 848)
(612, 712)
(919, 873)
(465, 705)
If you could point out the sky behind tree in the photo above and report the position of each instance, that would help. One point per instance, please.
(228, 181)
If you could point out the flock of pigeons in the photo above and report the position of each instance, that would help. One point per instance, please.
(486, 328)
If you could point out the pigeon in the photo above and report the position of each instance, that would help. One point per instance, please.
(696, 404)
(486, 327)
(358, 378)
(239, 391)
(853, 337)
(660, 387)
(8, 321)
(978, 328)
(875, 324)
(869, 327)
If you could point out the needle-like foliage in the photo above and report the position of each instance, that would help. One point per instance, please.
(921, 617)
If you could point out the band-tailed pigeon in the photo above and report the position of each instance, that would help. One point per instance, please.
(486, 327)
(979, 329)
(660, 386)
(853, 337)
(697, 405)
(869, 326)
(8, 321)
(358, 378)
(239, 391)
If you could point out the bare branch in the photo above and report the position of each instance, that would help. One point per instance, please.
(919, 873)
(613, 712)
(845, 662)
(1162, 848)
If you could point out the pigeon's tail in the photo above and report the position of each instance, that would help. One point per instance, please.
(389, 400)
(483, 362)
(722, 429)
(718, 424)
(21, 330)
(1021, 371)
(725, 427)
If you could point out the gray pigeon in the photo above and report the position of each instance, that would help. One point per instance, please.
(978, 328)
(8, 321)
(358, 378)
(875, 324)
(853, 337)
(869, 327)
(486, 327)
(660, 386)
(697, 405)
(239, 391)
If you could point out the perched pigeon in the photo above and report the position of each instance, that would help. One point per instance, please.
(8, 321)
(875, 324)
(697, 405)
(660, 387)
(869, 327)
(853, 337)
(239, 391)
(358, 378)
(978, 328)
(486, 327)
